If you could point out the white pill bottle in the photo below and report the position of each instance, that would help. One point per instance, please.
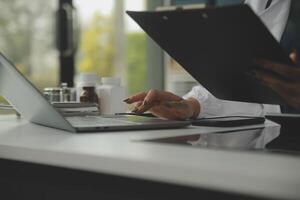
(111, 95)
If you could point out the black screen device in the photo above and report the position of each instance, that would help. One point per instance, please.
(217, 46)
(288, 122)
(232, 121)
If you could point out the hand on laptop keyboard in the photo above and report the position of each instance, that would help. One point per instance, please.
(165, 105)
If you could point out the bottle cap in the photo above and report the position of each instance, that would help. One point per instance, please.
(64, 85)
(111, 81)
(87, 79)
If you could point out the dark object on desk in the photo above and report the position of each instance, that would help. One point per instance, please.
(290, 121)
(217, 46)
(283, 116)
(290, 126)
(232, 121)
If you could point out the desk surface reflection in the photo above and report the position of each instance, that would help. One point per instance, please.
(255, 139)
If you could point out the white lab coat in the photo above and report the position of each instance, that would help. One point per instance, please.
(275, 18)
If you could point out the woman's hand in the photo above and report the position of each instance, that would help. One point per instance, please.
(165, 105)
(288, 88)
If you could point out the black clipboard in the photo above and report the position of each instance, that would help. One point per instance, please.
(217, 46)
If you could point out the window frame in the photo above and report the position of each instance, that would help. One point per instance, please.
(66, 44)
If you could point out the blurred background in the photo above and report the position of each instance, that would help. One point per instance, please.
(52, 41)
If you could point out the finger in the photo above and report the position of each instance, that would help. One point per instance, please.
(288, 91)
(268, 78)
(290, 94)
(286, 71)
(173, 110)
(163, 112)
(136, 106)
(156, 96)
(135, 98)
(294, 56)
(293, 101)
(166, 112)
(172, 105)
(282, 87)
(144, 107)
(290, 99)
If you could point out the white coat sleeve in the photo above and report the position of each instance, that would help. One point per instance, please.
(211, 106)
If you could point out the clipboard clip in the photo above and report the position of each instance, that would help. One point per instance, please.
(181, 8)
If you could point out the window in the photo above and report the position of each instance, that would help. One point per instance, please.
(27, 39)
(111, 44)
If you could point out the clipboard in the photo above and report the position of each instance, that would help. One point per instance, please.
(217, 46)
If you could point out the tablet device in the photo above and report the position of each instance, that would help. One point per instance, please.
(217, 46)
(290, 123)
(231, 121)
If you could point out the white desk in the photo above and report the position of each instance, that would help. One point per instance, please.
(121, 153)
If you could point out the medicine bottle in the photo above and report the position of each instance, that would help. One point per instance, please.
(86, 88)
(112, 94)
(65, 93)
(88, 95)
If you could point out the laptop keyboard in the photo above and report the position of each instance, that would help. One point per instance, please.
(95, 121)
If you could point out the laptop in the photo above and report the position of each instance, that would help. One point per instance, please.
(217, 46)
(32, 105)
